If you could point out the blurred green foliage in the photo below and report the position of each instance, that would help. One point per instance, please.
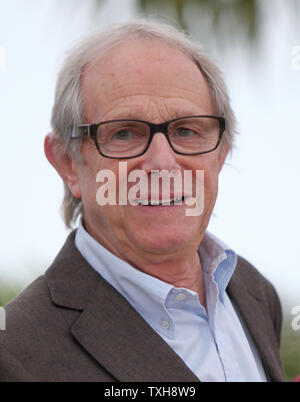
(290, 341)
(8, 292)
(229, 19)
(290, 348)
(243, 12)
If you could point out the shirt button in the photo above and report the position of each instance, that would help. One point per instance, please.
(180, 297)
(165, 324)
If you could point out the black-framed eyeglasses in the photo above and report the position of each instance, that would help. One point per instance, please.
(130, 138)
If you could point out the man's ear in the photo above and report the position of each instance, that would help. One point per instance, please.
(64, 163)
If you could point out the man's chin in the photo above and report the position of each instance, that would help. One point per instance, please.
(163, 242)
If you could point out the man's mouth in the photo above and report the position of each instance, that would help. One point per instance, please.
(161, 203)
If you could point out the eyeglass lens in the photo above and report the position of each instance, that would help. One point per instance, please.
(129, 138)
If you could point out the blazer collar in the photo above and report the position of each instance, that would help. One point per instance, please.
(108, 328)
(70, 279)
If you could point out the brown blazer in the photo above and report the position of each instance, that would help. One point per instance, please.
(71, 325)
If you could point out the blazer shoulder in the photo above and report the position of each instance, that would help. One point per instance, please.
(34, 311)
(33, 321)
(262, 289)
(26, 307)
(255, 281)
(21, 319)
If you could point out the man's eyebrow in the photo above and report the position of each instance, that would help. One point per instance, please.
(125, 112)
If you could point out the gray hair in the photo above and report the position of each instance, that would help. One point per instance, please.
(68, 111)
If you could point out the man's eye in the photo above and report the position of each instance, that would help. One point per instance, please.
(122, 135)
(185, 132)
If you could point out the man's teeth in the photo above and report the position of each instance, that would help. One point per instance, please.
(172, 201)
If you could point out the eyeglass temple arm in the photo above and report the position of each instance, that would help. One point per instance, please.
(83, 131)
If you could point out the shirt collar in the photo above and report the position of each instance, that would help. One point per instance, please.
(149, 295)
(217, 259)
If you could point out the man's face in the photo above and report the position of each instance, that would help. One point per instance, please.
(150, 81)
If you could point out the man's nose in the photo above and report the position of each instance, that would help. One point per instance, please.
(159, 155)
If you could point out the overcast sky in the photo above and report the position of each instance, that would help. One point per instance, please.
(257, 212)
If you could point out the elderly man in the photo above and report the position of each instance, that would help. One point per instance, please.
(141, 291)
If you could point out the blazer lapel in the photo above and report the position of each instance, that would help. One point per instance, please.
(122, 342)
(108, 328)
(259, 324)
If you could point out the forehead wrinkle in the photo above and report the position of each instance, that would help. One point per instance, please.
(117, 101)
(118, 85)
(142, 88)
(152, 109)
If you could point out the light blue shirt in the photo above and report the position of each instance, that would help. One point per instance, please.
(212, 342)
